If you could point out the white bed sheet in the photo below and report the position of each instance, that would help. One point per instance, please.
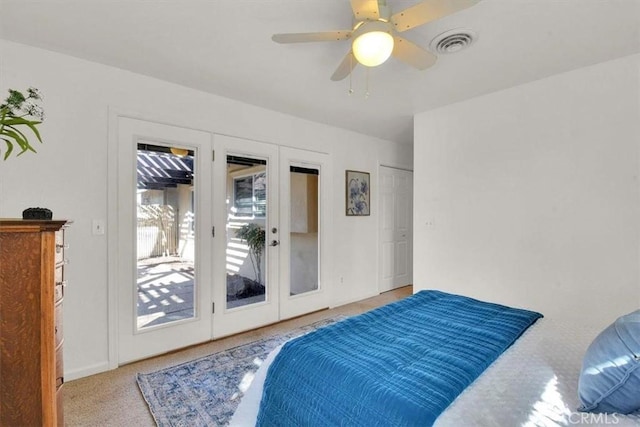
(534, 383)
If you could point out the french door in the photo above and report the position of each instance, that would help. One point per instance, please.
(245, 178)
(305, 220)
(214, 235)
(163, 238)
(272, 215)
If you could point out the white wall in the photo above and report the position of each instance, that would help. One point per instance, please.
(69, 174)
(533, 195)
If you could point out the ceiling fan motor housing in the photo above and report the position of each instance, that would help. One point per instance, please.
(370, 26)
(384, 15)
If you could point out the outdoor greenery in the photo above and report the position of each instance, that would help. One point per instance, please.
(254, 235)
(17, 112)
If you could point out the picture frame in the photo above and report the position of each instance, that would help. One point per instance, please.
(357, 193)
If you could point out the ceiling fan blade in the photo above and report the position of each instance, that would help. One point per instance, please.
(412, 54)
(427, 11)
(344, 69)
(327, 36)
(365, 9)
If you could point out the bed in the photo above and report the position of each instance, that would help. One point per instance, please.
(533, 383)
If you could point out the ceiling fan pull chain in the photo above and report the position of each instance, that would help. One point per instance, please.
(366, 93)
(350, 74)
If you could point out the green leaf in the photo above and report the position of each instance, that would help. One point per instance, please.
(35, 131)
(17, 137)
(15, 120)
(9, 148)
(24, 137)
(21, 121)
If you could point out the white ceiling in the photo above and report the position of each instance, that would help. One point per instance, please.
(224, 47)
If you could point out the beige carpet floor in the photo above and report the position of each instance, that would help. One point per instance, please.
(113, 399)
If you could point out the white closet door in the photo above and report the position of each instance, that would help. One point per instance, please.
(396, 228)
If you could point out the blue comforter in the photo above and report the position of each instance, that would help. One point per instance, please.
(398, 365)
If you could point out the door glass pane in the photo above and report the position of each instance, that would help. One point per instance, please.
(304, 230)
(246, 222)
(165, 235)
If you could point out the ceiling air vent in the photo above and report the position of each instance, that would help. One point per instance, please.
(452, 41)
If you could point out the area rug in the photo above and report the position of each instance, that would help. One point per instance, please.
(207, 391)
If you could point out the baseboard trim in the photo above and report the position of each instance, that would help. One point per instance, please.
(74, 374)
(356, 299)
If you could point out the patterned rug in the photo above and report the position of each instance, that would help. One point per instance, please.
(207, 391)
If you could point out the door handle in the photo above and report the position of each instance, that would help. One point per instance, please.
(274, 243)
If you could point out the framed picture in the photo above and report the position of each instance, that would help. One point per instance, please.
(358, 193)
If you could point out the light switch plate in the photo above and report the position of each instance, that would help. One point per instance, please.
(97, 227)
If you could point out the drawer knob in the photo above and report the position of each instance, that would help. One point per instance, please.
(60, 247)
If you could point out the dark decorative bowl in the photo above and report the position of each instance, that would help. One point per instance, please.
(37, 213)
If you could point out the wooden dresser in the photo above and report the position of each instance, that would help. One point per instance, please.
(31, 293)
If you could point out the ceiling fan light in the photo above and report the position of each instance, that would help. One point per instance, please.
(373, 48)
(180, 152)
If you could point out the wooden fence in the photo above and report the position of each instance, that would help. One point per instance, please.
(157, 231)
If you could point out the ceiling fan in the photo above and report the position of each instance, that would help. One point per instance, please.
(375, 33)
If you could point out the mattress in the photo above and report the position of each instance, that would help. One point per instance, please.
(533, 383)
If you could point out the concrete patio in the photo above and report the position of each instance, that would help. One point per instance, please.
(166, 289)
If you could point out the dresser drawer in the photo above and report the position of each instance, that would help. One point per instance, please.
(58, 324)
(58, 291)
(59, 283)
(59, 274)
(59, 368)
(60, 247)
